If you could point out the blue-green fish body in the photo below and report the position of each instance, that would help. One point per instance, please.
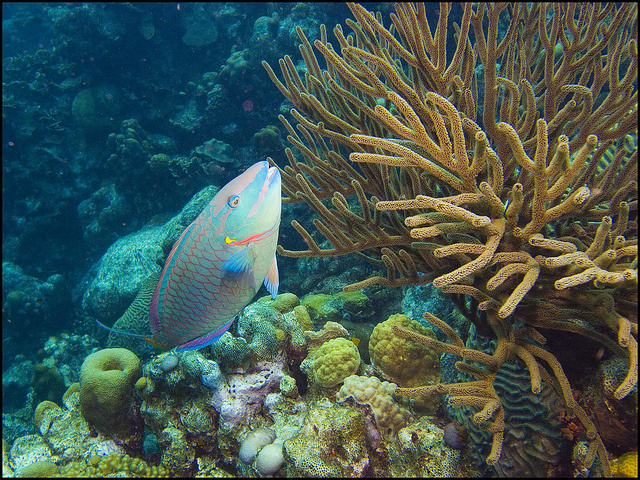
(219, 262)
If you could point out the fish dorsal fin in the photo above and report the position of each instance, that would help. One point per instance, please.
(272, 280)
(239, 267)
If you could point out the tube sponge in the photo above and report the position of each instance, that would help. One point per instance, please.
(106, 389)
(253, 442)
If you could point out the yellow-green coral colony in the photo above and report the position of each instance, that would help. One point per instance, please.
(334, 361)
(112, 464)
(106, 388)
(405, 362)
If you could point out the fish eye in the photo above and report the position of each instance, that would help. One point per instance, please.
(233, 201)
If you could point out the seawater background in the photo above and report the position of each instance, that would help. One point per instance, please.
(114, 116)
(187, 82)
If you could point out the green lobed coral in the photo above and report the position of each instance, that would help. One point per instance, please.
(334, 361)
(284, 302)
(406, 363)
(330, 308)
(106, 388)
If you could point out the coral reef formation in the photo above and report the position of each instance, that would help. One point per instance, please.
(64, 429)
(241, 397)
(404, 362)
(328, 444)
(270, 459)
(106, 389)
(29, 300)
(534, 439)
(39, 469)
(27, 450)
(333, 308)
(334, 361)
(113, 464)
(176, 409)
(330, 330)
(390, 417)
(421, 451)
(288, 387)
(253, 442)
(121, 272)
(484, 151)
(510, 185)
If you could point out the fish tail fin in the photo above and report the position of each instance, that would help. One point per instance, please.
(145, 337)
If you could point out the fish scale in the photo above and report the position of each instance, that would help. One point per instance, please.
(194, 299)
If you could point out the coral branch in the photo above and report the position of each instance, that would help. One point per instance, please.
(531, 212)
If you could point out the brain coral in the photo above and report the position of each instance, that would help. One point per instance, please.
(407, 363)
(39, 469)
(106, 388)
(334, 361)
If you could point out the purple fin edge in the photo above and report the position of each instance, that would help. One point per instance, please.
(205, 340)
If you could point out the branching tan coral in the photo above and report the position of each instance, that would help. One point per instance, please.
(514, 184)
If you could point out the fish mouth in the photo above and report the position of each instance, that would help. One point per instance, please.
(272, 178)
(271, 172)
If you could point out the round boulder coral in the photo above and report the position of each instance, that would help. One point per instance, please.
(334, 361)
(407, 363)
(106, 388)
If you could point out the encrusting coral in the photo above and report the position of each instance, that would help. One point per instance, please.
(512, 187)
(390, 417)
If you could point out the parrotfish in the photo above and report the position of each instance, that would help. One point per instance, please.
(219, 262)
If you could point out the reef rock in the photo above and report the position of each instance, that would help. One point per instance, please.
(330, 443)
(241, 398)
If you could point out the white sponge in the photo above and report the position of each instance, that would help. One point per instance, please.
(270, 459)
(253, 442)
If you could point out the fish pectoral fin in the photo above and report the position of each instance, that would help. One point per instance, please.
(272, 281)
(239, 267)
